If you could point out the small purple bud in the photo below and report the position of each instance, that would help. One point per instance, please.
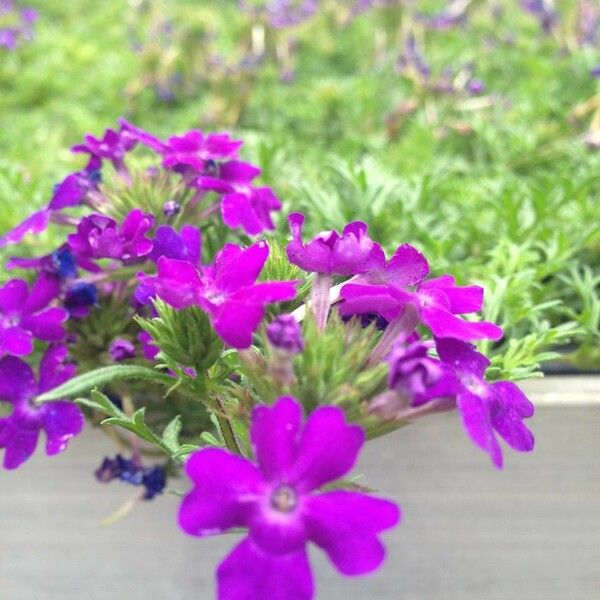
(171, 208)
(121, 349)
(285, 334)
(476, 87)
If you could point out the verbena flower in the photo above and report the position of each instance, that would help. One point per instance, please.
(113, 146)
(278, 500)
(350, 253)
(153, 478)
(185, 245)
(487, 408)
(99, 236)
(226, 290)
(79, 298)
(437, 301)
(61, 263)
(60, 420)
(242, 204)
(121, 349)
(285, 333)
(25, 315)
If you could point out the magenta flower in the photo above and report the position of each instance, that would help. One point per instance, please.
(330, 253)
(185, 245)
(98, 236)
(113, 146)
(194, 150)
(226, 290)
(487, 408)
(72, 190)
(437, 301)
(242, 204)
(60, 420)
(121, 349)
(35, 223)
(278, 500)
(24, 315)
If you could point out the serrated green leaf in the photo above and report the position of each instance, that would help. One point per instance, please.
(170, 436)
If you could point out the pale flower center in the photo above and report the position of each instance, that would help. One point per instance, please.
(284, 499)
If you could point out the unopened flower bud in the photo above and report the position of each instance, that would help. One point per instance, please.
(285, 334)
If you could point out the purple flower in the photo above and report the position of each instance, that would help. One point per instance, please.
(595, 72)
(35, 223)
(152, 478)
(61, 263)
(24, 315)
(226, 290)
(185, 245)
(142, 136)
(285, 333)
(171, 209)
(330, 253)
(113, 146)
(79, 298)
(121, 349)
(99, 236)
(277, 500)
(194, 150)
(485, 408)
(149, 349)
(72, 190)
(60, 420)
(543, 11)
(438, 301)
(242, 204)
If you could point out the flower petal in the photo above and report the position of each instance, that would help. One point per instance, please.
(225, 493)
(444, 324)
(16, 341)
(462, 356)
(47, 325)
(45, 289)
(237, 267)
(476, 421)
(327, 450)
(13, 295)
(346, 524)
(509, 406)
(35, 223)
(235, 322)
(17, 381)
(61, 421)
(250, 574)
(274, 435)
(19, 444)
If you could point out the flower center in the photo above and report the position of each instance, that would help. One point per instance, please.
(284, 499)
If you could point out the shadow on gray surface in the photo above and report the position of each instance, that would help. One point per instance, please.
(469, 532)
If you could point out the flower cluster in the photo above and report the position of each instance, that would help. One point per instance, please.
(16, 27)
(247, 338)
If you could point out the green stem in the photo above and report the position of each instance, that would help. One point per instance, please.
(228, 434)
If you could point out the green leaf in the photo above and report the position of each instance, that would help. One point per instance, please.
(98, 377)
(171, 433)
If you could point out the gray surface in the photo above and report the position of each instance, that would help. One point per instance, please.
(469, 532)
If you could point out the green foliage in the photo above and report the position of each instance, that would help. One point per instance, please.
(186, 336)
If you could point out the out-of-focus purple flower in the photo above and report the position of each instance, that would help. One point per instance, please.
(276, 500)
(196, 150)
(476, 87)
(453, 15)
(99, 236)
(130, 471)
(281, 13)
(79, 298)
(412, 61)
(588, 22)
(544, 11)
(487, 408)
(121, 349)
(351, 253)
(595, 72)
(242, 204)
(226, 290)
(21, 28)
(171, 209)
(185, 245)
(284, 333)
(149, 348)
(24, 315)
(437, 301)
(61, 263)
(60, 420)
(113, 146)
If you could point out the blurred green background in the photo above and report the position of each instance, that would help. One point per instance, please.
(498, 187)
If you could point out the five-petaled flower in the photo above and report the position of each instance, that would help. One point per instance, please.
(226, 290)
(24, 315)
(280, 502)
(60, 420)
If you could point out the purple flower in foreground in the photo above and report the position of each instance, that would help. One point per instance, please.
(60, 420)
(226, 290)
(185, 245)
(242, 204)
(285, 333)
(485, 408)
(330, 253)
(438, 301)
(24, 315)
(279, 502)
(99, 236)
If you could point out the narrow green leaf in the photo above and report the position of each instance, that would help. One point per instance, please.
(98, 377)
(171, 433)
